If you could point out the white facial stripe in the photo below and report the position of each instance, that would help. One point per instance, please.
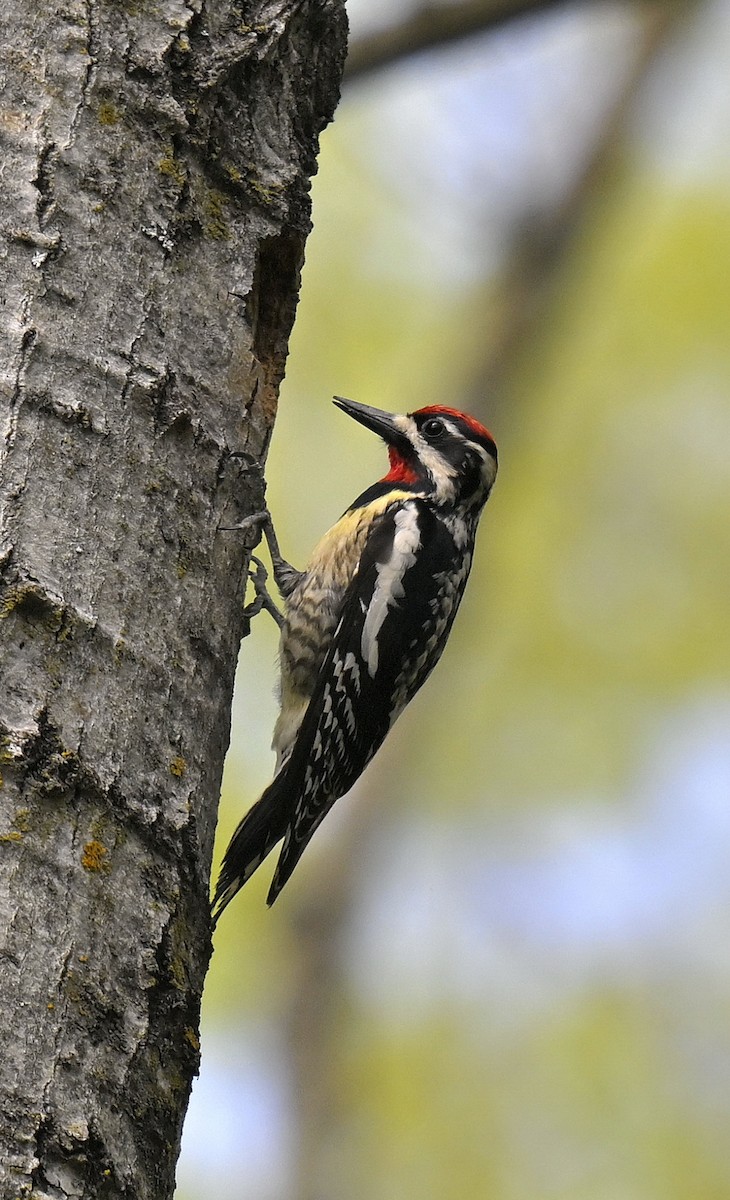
(389, 584)
(442, 473)
(489, 468)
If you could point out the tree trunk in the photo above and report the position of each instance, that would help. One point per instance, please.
(154, 211)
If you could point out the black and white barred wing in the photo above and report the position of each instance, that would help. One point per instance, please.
(396, 617)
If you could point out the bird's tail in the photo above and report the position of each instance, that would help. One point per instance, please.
(263, 826)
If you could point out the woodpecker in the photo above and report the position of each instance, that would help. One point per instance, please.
(364, 624)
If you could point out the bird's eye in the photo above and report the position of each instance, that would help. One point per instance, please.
(432, 428)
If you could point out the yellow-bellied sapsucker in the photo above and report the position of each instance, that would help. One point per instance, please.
(364, 625)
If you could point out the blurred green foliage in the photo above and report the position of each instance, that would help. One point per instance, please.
(595, 624)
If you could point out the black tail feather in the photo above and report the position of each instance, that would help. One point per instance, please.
(295, 842)
(263, 826)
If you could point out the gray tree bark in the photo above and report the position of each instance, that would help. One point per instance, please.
(154, 208)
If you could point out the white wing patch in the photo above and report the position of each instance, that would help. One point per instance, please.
(389, 584)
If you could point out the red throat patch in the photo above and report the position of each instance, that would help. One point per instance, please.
(401, 470)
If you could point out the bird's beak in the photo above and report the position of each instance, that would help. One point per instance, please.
(382, 423)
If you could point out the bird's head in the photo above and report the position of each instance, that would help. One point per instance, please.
(448, 454)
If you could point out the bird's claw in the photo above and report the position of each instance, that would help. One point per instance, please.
(262, 600)
(257, 521)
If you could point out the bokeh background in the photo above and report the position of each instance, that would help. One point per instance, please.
(502, 969)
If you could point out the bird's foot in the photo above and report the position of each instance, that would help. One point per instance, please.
(262, 599)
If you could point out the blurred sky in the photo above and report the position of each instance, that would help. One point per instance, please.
(542, 900)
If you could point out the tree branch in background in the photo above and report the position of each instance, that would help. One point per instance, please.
(433, 27)
(541, 249)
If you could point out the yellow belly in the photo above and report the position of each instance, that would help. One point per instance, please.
(313, 610)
